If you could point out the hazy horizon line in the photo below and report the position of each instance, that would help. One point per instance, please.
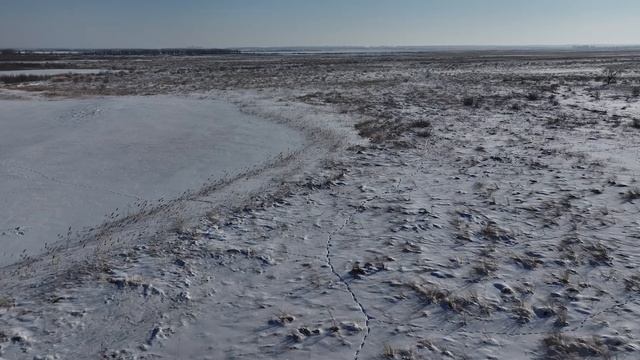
(483, 46)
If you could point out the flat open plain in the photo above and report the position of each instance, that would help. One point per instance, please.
(469, 205)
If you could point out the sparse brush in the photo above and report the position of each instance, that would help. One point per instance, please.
(566, 277)
(522, 313)
(357, 271)
(380, 131)
(7, 303)
(424, 126)
(484, 269)
(389, 352)
(469, 101)
(562, 317)
(458, 304)
(421, 124)
(599, 254)
(429, 294)
(533, 96)
(526, 262)
(632, 283)
(490, 231)
(16, 79)
(558, 346)
(282, 319)
(179, 226)
(610, 74)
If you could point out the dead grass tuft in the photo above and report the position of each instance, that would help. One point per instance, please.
(389, 352)
(522, 313)
(527, 262)
(484, 269)
(7, 303)
(632, 283)
(558, 346)
(599, 254)
(631, 195)
(458, 304)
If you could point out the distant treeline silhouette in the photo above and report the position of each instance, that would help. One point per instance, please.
(123, 52)
(15, 79)
(159, 52)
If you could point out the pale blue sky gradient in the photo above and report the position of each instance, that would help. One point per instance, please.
(243, 23)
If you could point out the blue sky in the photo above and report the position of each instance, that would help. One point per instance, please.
(234, 23)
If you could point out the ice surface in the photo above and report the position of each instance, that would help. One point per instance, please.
(72, 162)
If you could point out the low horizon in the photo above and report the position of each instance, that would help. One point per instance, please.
(298, 47)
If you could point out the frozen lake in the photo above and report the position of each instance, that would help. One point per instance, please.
(72, 162)
(45, 72)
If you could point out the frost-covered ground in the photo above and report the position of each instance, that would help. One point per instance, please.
(447, 206)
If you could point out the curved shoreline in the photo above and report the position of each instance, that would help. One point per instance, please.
(96, 155)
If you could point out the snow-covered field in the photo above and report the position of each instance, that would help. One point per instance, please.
(443, 206)
(69, 165)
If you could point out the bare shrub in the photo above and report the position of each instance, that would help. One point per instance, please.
(469, 101)
(611, 74)
(533, 96)
(424, 126)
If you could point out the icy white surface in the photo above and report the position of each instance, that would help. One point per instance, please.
(71, 163)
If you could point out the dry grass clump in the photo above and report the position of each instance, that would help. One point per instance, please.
(599, 254)
(533, 96)
(458, 304)
(562, 316)
(379, 131)
(631, 195)
(7, 303)
(632, 283)
(282, 319)
(527, 262)
(523, 314)
(491, 232)
(469, 101)
(389, 352)
(424, 127)
(178, 226)
(558, 346)
(484, 269)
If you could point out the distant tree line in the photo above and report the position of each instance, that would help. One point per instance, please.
(159, 52)
(123, 52)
